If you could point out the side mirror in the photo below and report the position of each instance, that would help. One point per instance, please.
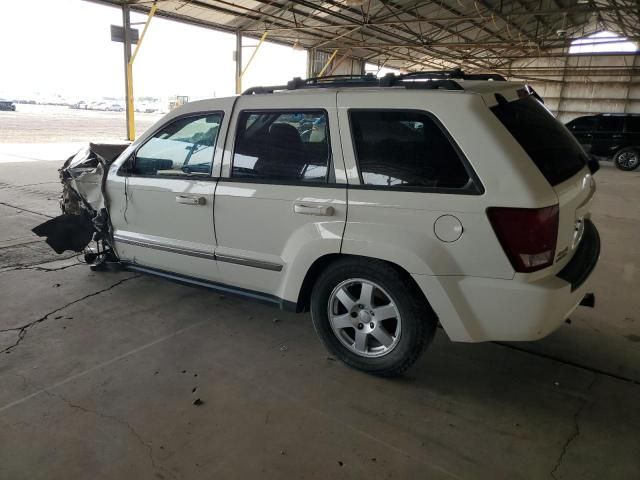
(127, 167)
(593, 164)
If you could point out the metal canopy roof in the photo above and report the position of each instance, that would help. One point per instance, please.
(481, 35)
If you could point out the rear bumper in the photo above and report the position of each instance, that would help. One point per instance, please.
(584, 259)
(474, 309)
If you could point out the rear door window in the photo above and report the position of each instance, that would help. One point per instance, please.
(553, 149)
(405, 149)
(610, 124)
(279, 146)
(633, 124)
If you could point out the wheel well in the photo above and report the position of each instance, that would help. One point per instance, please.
(634, 147)
(304, 297)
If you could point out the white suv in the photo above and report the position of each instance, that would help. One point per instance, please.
(382, 206)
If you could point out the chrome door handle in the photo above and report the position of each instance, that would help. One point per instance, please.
(190, 200)
(305, 209)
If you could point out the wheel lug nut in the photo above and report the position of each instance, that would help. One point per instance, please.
(360, 306)
(360, 326)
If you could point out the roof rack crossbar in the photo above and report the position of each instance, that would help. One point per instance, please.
(445, 79)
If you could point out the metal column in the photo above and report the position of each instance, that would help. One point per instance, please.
(128, 80)
(238, 58)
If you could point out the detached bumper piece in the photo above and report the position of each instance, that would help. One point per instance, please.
(67, 232)
(84, 207)
(584, 260)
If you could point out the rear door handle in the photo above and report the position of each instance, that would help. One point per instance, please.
(185, 200)
(306, 209)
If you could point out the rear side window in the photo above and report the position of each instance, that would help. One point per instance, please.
(610, 124)
(553, 149)
(405, 149)
(633, 124)
(282, 146)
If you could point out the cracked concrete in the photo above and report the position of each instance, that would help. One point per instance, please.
(574, 434)
(103, 384)
(21, 331)
(120, 421)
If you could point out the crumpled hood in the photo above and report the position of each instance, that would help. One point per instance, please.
(84, 207)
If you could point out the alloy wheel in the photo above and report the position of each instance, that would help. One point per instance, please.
(364, 317)
(629, 160)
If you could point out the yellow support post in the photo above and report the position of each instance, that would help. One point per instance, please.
(264, 35)
(326, 65)
(131, 125)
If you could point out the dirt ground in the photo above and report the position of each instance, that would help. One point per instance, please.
(50, 123)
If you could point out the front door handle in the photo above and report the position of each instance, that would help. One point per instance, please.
(185, 200)
(306, 209)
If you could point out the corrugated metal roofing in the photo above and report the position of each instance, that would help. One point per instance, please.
(482, 35)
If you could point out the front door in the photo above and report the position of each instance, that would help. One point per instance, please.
(281, 200)
(162, 199)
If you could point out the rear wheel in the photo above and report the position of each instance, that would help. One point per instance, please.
(371, 316)
(627, 159)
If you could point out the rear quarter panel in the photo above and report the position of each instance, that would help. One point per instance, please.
(399, 226)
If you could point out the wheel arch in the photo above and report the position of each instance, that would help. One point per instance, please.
(321, 263)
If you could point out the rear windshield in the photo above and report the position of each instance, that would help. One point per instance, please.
(553, 149)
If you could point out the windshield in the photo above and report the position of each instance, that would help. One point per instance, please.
(553, 149)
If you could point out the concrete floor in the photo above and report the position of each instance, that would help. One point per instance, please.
(100, 373)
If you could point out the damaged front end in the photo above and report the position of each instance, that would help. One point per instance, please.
(85, 206)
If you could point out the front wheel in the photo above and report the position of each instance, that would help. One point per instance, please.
(371, 316)
(627, 159)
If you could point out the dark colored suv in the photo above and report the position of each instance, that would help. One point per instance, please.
(613, 136)
(7, 105)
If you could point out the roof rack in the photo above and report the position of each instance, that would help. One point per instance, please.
(444, 79)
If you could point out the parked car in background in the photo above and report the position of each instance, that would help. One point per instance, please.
(115, 107)
(7, 105)
(376, 209)
(610, 136)
(81, 105)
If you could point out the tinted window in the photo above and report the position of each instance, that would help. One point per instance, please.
(633, 124)
(184, 147)
(610, 124)
(582, 124)
(556, 152)
(404, 149)
(282, 146)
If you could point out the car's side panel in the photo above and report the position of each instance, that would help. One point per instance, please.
(263, 244)
(398, 226)
(167, 223)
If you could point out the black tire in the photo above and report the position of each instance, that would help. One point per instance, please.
(418, 319)
(627, 159)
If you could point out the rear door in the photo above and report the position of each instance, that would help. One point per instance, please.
(162, 198)
(632, 131)
(608, 136)
(281, 199)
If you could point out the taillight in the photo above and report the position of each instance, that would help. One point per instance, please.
(527, 235)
